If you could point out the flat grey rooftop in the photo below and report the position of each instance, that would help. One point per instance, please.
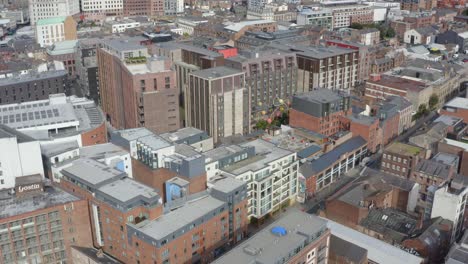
(448, 120)
(265, 153)
(179, 218)
(458, 102)
(226, 184)
(182, 133)
(320, 96)
(127, 189)
(434, 168)
(266, 247)
(216, 72)
(50, 150)
(102, 151)
(134, 133)
(7, 132)
(154, 141)
(52, 196)
(447, 159)
(222, 152)
(92, 172)
(122, 45)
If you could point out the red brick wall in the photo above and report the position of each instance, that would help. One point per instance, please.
(345, 213)
(95, 136)
(330, 125)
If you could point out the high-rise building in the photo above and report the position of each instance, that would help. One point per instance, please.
(20, 156)
(137, 90)
(332, 67)
(99, 9)
(270, 77)
(42, 9)
(87, 68)
(217, 102)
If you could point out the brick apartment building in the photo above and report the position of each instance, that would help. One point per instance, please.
(137, 90)
(380, 87)
(130, 223)
(417, 5)
(429, 173)
(395, 115)
(40, 224)
(368, 127)
(457, 107)
(375, 190)
(143, 8)
(319, 111)
(401, 159)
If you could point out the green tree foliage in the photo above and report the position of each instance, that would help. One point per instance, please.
(433, 101)
(422, 111)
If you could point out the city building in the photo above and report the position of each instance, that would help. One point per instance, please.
(395, 115)
(401, 159)
(136, 89)
(270, 77)
(351, 204)
(270, 174)
(325, 67)
(450, 202)
(418, 5)
(329, 167)
(43, 9)
(87, 67)
(143, 8)
(64, 51)
(33, 84)
(317, 18)
(20, 156)
(55, 29)
(377, 251)
(41, 223)
(342, 251)
(367, 127)
(98, 10)
(458, 252)
(319, 111)
(57, 119)
(430, 137)
(120, 26)
(423, 35)
(368, 36)
(380, 87)
(174, 7)
(188, 23)
(347, 12)
(429, 173)
(137, 227)
(454, 37)
(296, 237)
(83, 255)
(217, 102)
(193, 137)
(457, 107)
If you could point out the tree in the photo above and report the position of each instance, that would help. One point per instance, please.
(261, 124)
(433, 101)
(356, 26)
(422, 111)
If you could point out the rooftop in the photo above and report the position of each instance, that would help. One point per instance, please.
(62, 47)
(51, 196)
(216, 72)
(320, 96)
(134, 133)
(51, 20)
(127, 189)
(92, 173)
(51, 150)
(458, 102)
(236, 27)
(326, 160)
(265, 153)
(95, 256)
(101, 151)
(377, 250)
(434, 168)
(7, 132)
(320, 52)
(177, 219)
(226, 184)
(447, 159)
(448, 120)
(276, 242)
(154, 142)
(403, 149)
(341, 247)
(399, 83)
(391, 223)
(184, 133)
(222, 152)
